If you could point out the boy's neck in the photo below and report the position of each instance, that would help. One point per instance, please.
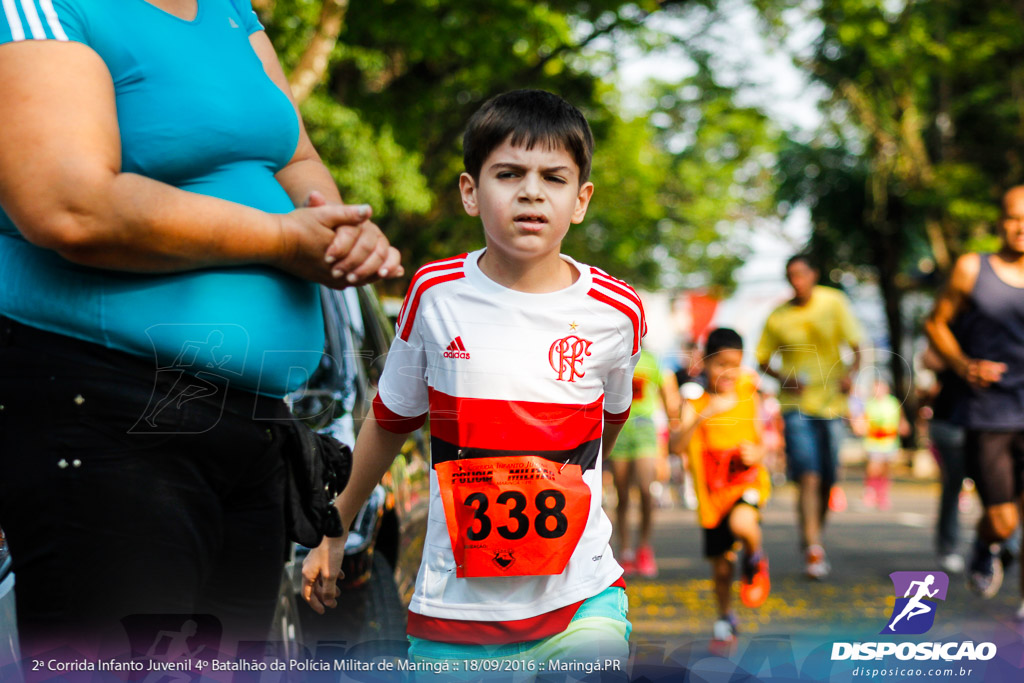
(548, 274)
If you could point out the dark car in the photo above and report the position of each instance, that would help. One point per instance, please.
(385, 543)
(386, 539)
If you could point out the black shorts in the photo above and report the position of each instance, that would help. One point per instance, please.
(995, 461)
(720, 540)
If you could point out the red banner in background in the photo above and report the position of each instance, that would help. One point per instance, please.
(702, 312)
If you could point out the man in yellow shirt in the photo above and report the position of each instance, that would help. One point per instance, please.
(801, 346)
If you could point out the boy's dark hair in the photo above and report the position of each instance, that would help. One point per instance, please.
(529, 117)
(721, 339)
(800, 258)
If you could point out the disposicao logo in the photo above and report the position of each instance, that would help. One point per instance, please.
(917, 594)
(914, 612)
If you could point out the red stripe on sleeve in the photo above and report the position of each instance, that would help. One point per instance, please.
(513, 425)
(629, 313)
(616, 418)
(392, 421)
(407, 323)
(432, 267)
(620, 287)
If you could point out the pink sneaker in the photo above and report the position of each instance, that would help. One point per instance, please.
(837, 499)
(645, 563)
(883, 494)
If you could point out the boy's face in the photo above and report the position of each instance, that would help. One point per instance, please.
(722, 369)
(526, 199)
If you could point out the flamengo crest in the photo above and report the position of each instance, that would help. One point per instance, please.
(566, 357)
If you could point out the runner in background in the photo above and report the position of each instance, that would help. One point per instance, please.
(722, 432)
(801, 346)
(884, 424)
(685, 367)
(635, 459)
(946, 434)
(774, 443)
(989, 356)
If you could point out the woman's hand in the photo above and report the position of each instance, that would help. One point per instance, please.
(320, 573)
(313, 236)
(360, 253)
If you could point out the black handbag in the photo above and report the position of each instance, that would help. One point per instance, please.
(318, 469)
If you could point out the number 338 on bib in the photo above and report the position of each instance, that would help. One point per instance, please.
(515, 516)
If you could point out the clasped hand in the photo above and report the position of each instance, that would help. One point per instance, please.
(336, 245)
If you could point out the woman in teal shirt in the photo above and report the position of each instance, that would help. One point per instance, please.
(158, 295)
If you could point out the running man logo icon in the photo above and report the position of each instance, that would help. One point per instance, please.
(916, 595)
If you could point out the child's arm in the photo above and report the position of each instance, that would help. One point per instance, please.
(375, 449)
(753, 453)
(904, 428)
(611, 433)
(688, 423)
(671, 400)
(691, 419)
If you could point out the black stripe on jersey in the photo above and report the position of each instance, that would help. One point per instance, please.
(584, 455)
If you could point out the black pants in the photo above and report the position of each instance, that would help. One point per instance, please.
(120, 507)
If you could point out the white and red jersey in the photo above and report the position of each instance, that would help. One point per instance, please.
(521, 384)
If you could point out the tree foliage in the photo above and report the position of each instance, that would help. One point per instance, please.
(404, 76)
(925, 122)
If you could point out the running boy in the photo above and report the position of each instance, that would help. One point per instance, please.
(723, 430)
(523, 359)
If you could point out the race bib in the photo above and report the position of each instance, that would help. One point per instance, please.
(726, 468)
(515, 516)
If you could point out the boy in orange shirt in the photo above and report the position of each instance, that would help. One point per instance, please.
(723, 432)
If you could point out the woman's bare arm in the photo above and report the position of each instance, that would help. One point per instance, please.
(61, 183)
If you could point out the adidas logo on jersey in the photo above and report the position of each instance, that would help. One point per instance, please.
(456, 349)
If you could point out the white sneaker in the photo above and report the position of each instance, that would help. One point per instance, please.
(724, 629)
(817, 566)
(986, 570)
(951, 563)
